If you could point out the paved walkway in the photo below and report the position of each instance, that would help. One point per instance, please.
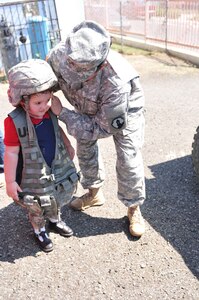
(102, 261)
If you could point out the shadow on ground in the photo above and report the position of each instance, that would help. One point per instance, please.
(17, 239)
(172, 207)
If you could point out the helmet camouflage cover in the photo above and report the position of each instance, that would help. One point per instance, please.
(29, 77)
(85, 48)
(88, 44)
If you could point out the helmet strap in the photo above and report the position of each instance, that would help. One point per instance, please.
(31, 131)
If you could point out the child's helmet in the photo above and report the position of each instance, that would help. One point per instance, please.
(29, 77)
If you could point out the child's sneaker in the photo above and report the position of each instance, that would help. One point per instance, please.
(61, 228)
(44, 242)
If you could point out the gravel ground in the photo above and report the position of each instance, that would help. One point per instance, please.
(102, 261)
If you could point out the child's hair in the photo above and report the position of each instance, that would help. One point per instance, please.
(26, 98)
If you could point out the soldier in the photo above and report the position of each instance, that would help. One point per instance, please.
(39, 172)
(108, 99)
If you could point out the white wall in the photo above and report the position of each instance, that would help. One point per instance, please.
(70, 13)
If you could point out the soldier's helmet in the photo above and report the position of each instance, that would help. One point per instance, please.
(88, 44)
(29, 77)
(85, 49)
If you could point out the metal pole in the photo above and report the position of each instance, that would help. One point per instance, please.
(166, 24)
(121, 27)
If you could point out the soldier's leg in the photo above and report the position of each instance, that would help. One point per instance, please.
(93, 175)
(130, 170)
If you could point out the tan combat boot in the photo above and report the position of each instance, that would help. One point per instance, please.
(137, 225)
(94, 197)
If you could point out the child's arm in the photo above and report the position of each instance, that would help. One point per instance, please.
(10, 167)
(67, 144)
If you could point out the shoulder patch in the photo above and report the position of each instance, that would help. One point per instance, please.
(118, 122)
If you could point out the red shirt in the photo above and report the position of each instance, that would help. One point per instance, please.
(10, 133)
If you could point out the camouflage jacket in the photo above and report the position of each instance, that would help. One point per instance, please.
(102, 102)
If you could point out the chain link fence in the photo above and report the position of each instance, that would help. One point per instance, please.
(166, 22)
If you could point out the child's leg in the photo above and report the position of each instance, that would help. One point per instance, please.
(53, 213)
(36, 218)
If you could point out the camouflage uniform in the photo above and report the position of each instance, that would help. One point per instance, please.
(108, 101)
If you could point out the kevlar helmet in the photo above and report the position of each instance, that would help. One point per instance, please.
(29, 77)
(88, 44)
(86, 48)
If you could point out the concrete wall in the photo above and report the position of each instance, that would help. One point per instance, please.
(70, 13)
(178, 52)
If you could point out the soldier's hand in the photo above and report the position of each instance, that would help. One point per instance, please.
(56, 105)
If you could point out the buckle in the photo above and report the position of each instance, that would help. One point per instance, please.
(50, 177)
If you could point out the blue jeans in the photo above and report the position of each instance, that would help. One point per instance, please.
(1, 150)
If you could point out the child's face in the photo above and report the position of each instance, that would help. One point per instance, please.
(39, 104)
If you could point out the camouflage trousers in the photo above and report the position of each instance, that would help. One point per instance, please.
(39, 209)
(129, 163)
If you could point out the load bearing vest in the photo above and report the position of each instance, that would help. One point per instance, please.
(38, 179)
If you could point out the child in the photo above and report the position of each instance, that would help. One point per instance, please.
(39, 172)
